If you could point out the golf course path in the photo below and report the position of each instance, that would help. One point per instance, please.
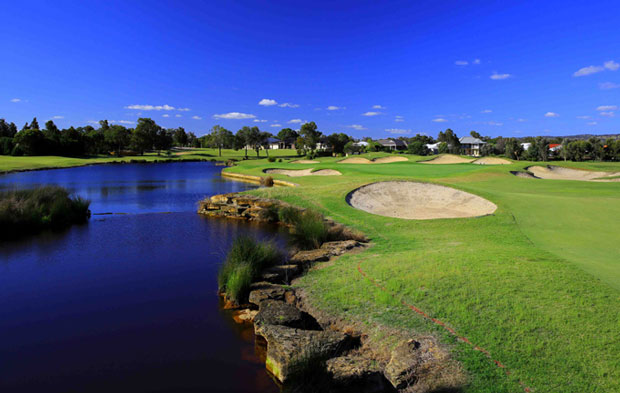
(438, 322)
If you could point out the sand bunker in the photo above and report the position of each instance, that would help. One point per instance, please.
(304, 162)
(381, 160)
(525, 175)
(418, 201)
(491, 161)
(448, 159)
(559, 173)
(303, 172)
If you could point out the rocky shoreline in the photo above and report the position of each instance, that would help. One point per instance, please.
(289, 331)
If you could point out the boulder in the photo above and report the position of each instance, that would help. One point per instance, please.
(222, 198)
(265, 291)
(354, 373)
(402, 369)
(311, 256)
(285, 272)
(275, 312)
(244, 316)
(340, 247)
(244, 200)
(286, 344)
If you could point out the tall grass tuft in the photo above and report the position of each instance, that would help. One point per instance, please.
(309, 230)
(245, 261)
(25, 212)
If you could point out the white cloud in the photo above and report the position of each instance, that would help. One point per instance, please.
(609, 85)
(333, 108)
(296, 121)
(378, 107)
(234, 116)
(440, 120)
(495, 76)
(551, 114)
(196, 117)
(267, 102)
(357, 127)
(151, 107)
(184, 109)
(58, 117)
(589, 70)
(93, 122)
(592, 123)
(520, 120)
(276, 125)
(494, 123)
(476, 61)
(371, 114)
(177, 115)
(166, 115)
(397, 131)
(122, 121)
(259, 121)
(608, 114)
(486, 111)
(461, 62)
(583, 117)
(288, 105)
(607, 108)
(16, 100)
(399, 119)
(611, 65)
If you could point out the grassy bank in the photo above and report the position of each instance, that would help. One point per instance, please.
(10, 163)
(537, 283)
(25, 212)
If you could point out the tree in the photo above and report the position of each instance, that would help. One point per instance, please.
(243, 140)
(117, 137)
(30, 141)
(418, 147)
(352, 147)
(338, 141)
(5, 129)
(443, 148)
(287, 133)
(256, 139)
(163, 140)
(35, 124)
(310, 134)
(180, 137)
(143, 137)
(476, 135)
(513, 148)
(451, 140)
(192, 140)
(220, 137)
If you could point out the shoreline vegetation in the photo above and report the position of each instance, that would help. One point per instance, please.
(27, 212)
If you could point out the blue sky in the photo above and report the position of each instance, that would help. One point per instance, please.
(364, 68)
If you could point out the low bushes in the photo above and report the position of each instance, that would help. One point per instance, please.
(30, 211)
(244, 263)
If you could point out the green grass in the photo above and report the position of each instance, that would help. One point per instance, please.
(10, 163)
(537, 283)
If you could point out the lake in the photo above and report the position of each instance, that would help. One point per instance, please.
(127, 302)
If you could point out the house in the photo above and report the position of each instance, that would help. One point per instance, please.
(471, 146)
(323, 144)
(361, 144)
(526, 146)
(433, 147)
(393, 144)
(274, 143)
(553, 147)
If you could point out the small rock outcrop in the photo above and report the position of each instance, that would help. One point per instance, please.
(355, 373)
(275, 312)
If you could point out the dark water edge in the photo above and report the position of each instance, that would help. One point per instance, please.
(127, 303)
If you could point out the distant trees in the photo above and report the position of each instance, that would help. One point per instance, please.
(418, 147)
(179, 137)
(220, 138)
(310, 135)
(338, 141)
(287, 133)
(513, 149)
(449, 137)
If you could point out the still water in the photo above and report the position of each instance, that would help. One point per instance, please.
(127, 302)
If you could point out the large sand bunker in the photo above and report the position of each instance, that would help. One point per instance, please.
(381, 160)
(303, 172)
(491, 161)
(418, 201)
(304, 162)
(560, 173)
(448, 159)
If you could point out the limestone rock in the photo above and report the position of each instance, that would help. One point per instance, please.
(355, 373)
(402, 369)
(285, 345)
(285, 272)
(339, 247)
(275, 312)
(244, 316)
(265, 291)
(222, 198)
(311, 256)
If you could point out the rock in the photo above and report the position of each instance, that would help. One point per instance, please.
(222, 198)
(275, 312)
(243, 200)
(244, 316)
(311, 256)
(290, 298)
(264, 203)
(231, 209)
(339, 247)
(285, 272)
(402, 369)
(265, 291)
(355, 373)
(285, 345)
(271, 277)
(210, 206)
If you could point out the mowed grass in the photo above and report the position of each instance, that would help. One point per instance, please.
(10, 163)
(535, 284)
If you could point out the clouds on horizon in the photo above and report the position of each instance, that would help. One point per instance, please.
(371, 114)
(496, 77)
(233, 116)
(156, 108)
(609, 65)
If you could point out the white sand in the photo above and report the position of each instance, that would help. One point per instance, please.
(491, 161)
(303, 172)
(381, 160)
(418, 201)
(559, 173)
(447, 159)
(525, 175)
(304, 162)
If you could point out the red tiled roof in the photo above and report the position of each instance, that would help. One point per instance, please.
(552, 145)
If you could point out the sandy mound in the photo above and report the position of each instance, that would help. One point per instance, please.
(418, 201)
(491, 161)
(304, 162)
(525, 175)
(381, 160)
(387, 160)
(448, 159)
(303, 172)
(560, 173)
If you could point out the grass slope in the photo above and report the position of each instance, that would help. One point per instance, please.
(536, 284)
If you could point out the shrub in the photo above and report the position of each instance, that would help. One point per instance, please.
(245, 261)
(271, 159)
(279, 160)
(269, 213)
(266, 181)
(288, 215)
(309, 230)
(30, 211)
